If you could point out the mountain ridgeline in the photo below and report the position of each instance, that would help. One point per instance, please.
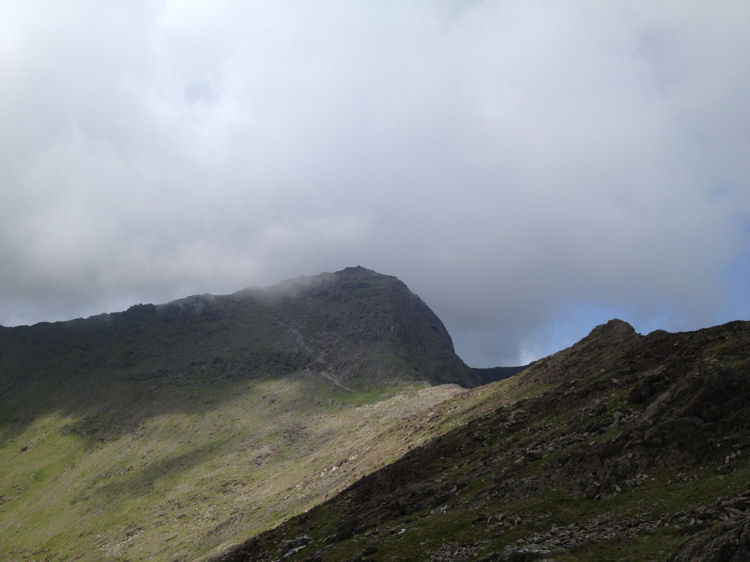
(172, 431)
(354, 330)
(329, 418)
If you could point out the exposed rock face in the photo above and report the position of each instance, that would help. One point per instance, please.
(656, 426)
(359, 321)
(728, 541)
(355, 328)
(720, 533)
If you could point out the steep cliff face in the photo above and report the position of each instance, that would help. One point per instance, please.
(368, 328)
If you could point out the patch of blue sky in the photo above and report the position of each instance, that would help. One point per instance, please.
(736, 281)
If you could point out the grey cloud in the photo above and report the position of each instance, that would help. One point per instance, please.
(512, 162)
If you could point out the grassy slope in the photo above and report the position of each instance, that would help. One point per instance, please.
(183, 484)
(170, 430)
(539, 459)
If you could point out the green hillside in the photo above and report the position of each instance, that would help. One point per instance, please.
(173, 430)
(312, 421)
(622, 447)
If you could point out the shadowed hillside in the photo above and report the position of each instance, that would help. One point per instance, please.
(175, 431)
(494, 374)
(353, 330)
(621, 447)
(168, 431)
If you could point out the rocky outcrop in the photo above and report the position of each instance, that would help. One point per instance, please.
(719, 533)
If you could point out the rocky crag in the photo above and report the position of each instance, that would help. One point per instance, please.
(355, 328)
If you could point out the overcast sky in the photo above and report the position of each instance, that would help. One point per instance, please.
(530, 169)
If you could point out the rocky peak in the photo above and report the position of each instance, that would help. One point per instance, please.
(612, 340)
(356, 271)
(615, 329)
(616, 335)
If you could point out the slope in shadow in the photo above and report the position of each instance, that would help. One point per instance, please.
(354, 329)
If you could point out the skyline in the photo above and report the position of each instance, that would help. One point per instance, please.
(529, 170)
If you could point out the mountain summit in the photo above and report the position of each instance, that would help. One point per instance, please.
(355, 328)
(366, 329)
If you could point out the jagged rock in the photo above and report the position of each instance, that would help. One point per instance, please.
(292, 546)
(524, 554)
(727, 541)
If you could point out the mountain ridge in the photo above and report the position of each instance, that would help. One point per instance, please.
(299, 419)
(621, 445)
(229, 412)
(355, 328)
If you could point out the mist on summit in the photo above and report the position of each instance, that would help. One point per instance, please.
(528, 169)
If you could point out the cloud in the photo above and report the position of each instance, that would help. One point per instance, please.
(513, 162)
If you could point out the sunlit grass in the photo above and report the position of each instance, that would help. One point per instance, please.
(192, 482)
